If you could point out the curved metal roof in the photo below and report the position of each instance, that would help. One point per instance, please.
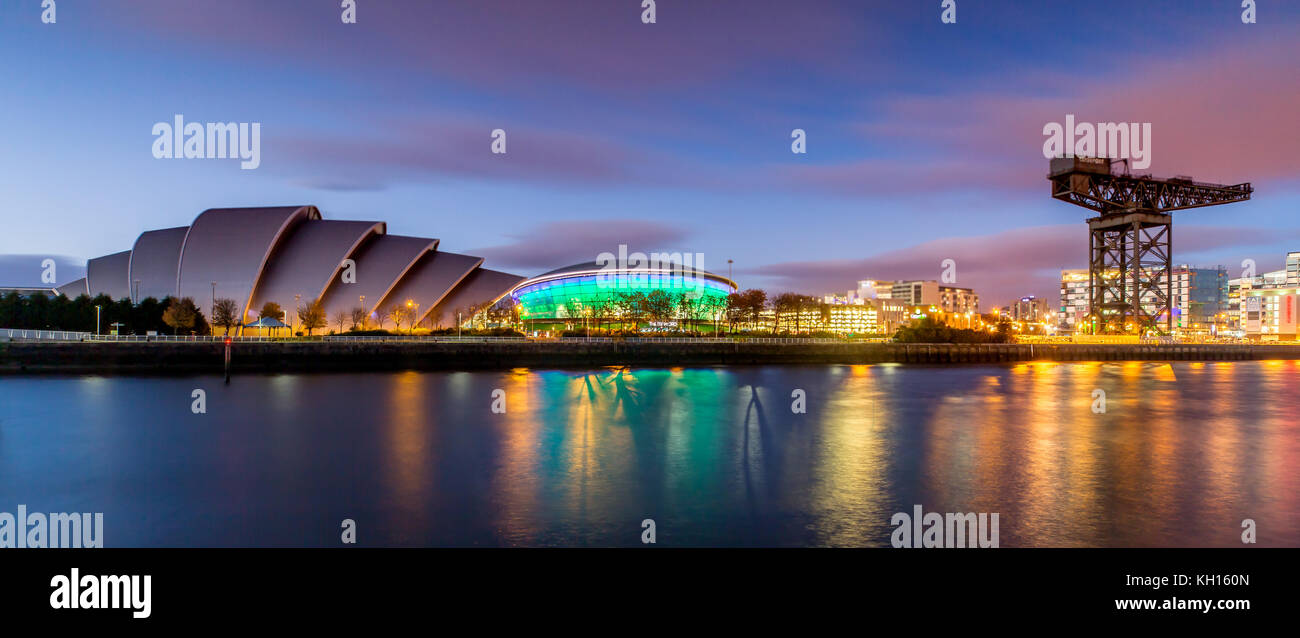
(154, 261)
(254, 255)
(595, 265)
(230, 246)
(73, 289)
(592, 267)
(381, 263)
(108, 275)
(428, 281)
(482, 286)
(308, 260)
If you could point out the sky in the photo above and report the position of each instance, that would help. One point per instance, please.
(924, 140)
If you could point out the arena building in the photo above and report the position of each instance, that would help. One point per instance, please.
(602, 295)
(291, 256)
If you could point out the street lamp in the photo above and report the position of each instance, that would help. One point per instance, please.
(459, 319)
(96, 321)
(415, 310)
(297, 303)
(212, 309)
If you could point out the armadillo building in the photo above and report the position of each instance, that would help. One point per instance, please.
(291, 256)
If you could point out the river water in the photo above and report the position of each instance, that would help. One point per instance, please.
(717, 456)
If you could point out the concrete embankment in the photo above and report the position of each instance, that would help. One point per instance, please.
(97, 357)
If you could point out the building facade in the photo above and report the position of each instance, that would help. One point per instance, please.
(588, 294)
(1200, 300)
(292, 257)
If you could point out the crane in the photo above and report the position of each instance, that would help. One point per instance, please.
(1130, 241)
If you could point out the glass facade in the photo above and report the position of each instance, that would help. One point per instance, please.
(585, 294)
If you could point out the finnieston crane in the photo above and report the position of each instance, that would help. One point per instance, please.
(1130, 242)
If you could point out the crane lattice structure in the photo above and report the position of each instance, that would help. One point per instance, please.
(1130, 242)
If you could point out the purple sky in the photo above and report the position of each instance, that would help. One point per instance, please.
(924, 139)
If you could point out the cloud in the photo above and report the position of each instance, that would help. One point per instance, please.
(557, 244)
(1000, 267)
(451, 146)
(513, 46)
(1224, 115)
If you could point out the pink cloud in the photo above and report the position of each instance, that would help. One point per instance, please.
(1224, 115)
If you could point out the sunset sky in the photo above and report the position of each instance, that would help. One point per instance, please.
(924, 139)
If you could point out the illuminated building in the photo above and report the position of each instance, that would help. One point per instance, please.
(930, 292)
(1200, 300)
(591, 295)
(1270, 314)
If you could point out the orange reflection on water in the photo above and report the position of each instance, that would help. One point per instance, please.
(407, 429)
(849, 489)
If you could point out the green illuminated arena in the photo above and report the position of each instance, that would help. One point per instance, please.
(590, 296)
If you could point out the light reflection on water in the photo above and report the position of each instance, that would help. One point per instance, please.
(715, 456)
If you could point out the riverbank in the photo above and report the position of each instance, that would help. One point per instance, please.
(119, 358)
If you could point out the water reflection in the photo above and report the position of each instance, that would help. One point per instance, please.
(717, 456)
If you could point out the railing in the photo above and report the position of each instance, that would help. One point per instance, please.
(182, 338)
(421, 338)
(43, 335)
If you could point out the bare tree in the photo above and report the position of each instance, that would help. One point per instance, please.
(340, 317)
(312, 315)
(358, 317)
(397, 313)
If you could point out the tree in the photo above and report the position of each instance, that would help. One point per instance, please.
(659, 305)
(632, 305)
(312, 315)
(397, 313)
(358, 317)
(225, 313)
(272, 310)
(340, 318)
(181, 313)
(785, 306)
(688, 307)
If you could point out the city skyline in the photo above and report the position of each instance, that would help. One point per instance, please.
(924, 139)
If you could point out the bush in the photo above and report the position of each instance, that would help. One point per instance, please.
(928, 330)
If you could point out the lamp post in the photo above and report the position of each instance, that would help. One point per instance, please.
(458, 322)
(96, 321)
(415, 311)
(297, 303)
(362, 301)
(212, 308)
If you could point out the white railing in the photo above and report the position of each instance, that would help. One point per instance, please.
(42, 335)
(420, 338)
(176, 338)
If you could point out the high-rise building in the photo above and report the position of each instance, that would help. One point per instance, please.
(1074, 299)
(1200, 299)
(1030, 308)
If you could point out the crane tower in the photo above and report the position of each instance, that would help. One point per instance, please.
(1130, 241)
